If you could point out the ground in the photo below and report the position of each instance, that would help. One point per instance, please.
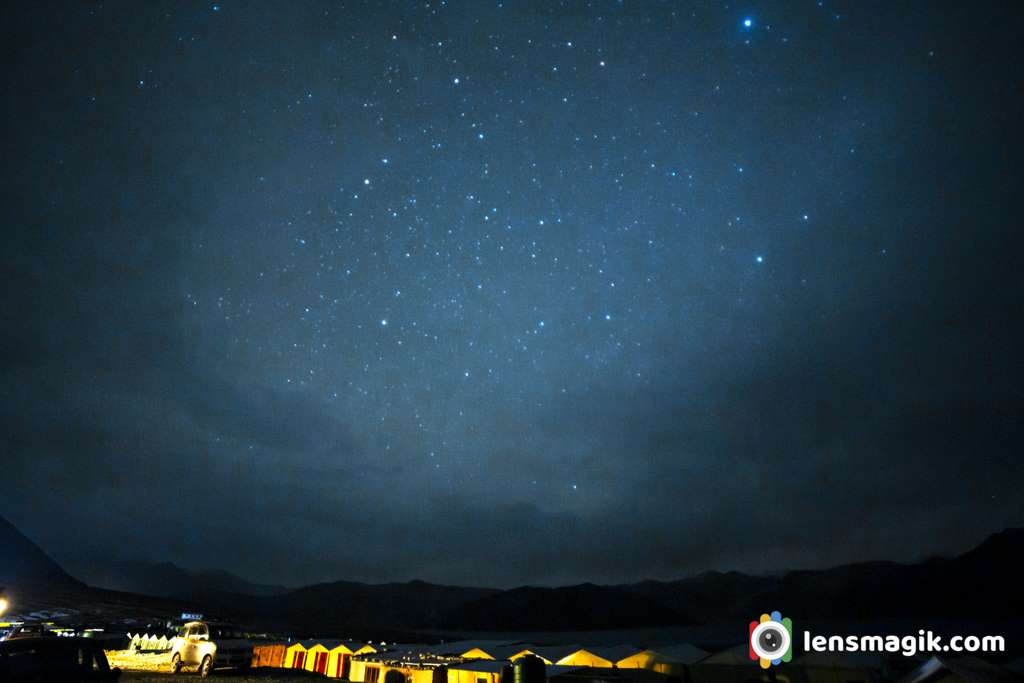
(227, 676)
(146, 667)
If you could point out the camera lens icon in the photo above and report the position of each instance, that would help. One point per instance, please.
(771, 639)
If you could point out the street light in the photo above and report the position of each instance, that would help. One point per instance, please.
(3, 606)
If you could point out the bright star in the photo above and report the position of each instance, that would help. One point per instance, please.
(759, 259)
(748, 22)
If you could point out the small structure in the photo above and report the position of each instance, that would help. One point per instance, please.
(477, 671)
(269, 655)
(316, 658)
(340, 654)
(295, 655)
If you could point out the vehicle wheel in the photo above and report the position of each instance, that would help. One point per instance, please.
(205, 667)
(176, 663)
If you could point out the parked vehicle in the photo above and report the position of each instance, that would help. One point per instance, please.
(30, 631)
(208, 646)
(68, 660)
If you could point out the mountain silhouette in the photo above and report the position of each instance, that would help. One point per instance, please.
(22, 562)
(981, 583)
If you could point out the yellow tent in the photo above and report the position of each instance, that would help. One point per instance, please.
(483, 670)
(295, 656)
(316, 659)
(549, 653)
(339, 656)
(670, 660)
(584, 657)
(523, 653)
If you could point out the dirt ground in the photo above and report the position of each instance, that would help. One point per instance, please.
(226, 676)
(146, 667)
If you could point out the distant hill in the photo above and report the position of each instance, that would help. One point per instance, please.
(167, 580)
(22, 562)
(583, 607)
(347, 604)
(981, 583)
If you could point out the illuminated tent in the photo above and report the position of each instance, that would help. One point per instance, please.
(476, 649)
(670, 660)
(476, 671)
(600, 657)
(269, 654)
(549, 653)
(339, 656)
(316, 659)
(295, 655)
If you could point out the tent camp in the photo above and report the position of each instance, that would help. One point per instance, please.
(417, 663)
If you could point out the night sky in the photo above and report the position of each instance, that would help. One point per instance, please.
(504, 292)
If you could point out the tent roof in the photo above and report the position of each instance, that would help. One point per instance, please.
(552, 653)
(853, 660)
(681, 653)
(350, 645)
(614, 653)
(458, 647)
(970, 669)
(738, 654)
(684, 653)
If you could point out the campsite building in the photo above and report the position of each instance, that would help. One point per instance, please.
(295, 654)
(269, 655)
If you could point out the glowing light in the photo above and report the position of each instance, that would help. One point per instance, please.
(748, 23)
(3, 605)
